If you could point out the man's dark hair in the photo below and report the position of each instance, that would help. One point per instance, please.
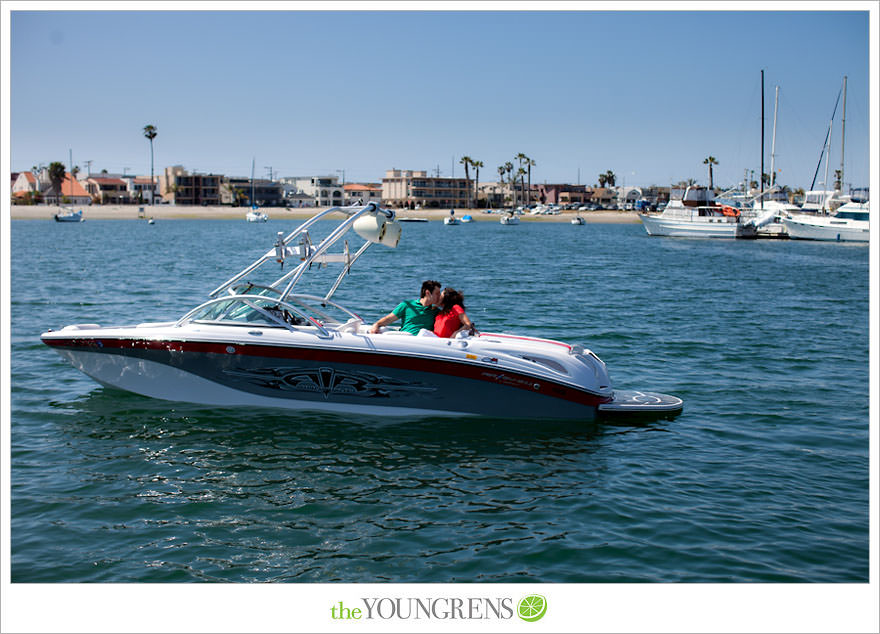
(428, 286)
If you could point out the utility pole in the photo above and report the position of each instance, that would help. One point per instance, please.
(88, 167)
(270, 171)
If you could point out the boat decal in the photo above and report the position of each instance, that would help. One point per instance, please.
(328, 382)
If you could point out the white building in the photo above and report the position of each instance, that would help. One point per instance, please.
(324, 190)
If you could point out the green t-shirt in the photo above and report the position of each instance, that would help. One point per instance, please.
(414, 316)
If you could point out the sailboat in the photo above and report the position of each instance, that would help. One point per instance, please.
(824, 201)
(255, 215)
(850, 222)
(67, 214)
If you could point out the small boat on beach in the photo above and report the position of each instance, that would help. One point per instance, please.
(467, 218)
(577, 220)
(256, 343)
(410, 219)
(451, 219)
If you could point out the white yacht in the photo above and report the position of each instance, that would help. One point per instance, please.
(849, 224)
(694, 214)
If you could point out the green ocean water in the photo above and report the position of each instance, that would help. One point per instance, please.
(763, 478)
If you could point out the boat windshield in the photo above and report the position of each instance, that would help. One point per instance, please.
(262, 311)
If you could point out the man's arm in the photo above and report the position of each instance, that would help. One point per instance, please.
(387, 319)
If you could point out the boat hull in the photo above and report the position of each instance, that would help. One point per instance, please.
(336, 380)
(815, 228)
(683, 228)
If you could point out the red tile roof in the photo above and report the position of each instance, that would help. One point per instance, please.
(72, 187)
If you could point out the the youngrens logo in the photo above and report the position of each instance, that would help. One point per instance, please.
(530, 608)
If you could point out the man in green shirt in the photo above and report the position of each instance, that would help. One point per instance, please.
(415, 314)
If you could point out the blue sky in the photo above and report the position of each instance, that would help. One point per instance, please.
(647, 95)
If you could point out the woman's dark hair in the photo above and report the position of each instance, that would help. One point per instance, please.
(428, 286)
(450, 298)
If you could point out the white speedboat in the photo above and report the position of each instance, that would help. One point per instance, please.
(693, 214)
(69, 215)
(577, 220)
(256, 216)
(256, 344)
(510, 219)
(849, 224)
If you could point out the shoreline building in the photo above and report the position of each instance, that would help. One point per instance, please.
(325, 191)
(365, 192)
(179, 187)
(411, 188)
(236, 191)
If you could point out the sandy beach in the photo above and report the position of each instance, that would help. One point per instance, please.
(178, 212)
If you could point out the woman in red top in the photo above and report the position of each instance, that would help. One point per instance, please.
(452, 317)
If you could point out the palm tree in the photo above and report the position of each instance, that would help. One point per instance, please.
(602, 180)
(610, 178)
(508, 167)
(150, 132)
(56, 177)
(521, 172)
(477, 165)
(710, 161)
(467, 161)
(530, 163)
(501, 170)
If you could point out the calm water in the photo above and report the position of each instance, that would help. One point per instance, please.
(764, 477)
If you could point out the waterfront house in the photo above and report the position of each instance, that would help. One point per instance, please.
(369, 192)
(71, 193)
(107, 189)
(324, 190)
(141, 188)
(25, 183)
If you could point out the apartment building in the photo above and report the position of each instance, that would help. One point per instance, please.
(409, 188)
(179, 187)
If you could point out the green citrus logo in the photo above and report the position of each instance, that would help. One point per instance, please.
(532, 608)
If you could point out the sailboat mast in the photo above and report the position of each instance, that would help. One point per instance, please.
(762, 139)
(253, 163)
(842, 132)
(773, 143)
(827, 160)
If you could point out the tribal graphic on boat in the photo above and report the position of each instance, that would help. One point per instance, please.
(329, 381)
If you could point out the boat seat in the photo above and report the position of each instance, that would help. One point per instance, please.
(352, 325)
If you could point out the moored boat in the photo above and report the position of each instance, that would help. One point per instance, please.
(693, 214)
(850, 223)
(69, 215)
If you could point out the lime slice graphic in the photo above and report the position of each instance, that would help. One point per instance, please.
(532, 608)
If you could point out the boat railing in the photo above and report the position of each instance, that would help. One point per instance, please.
(308, 254)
